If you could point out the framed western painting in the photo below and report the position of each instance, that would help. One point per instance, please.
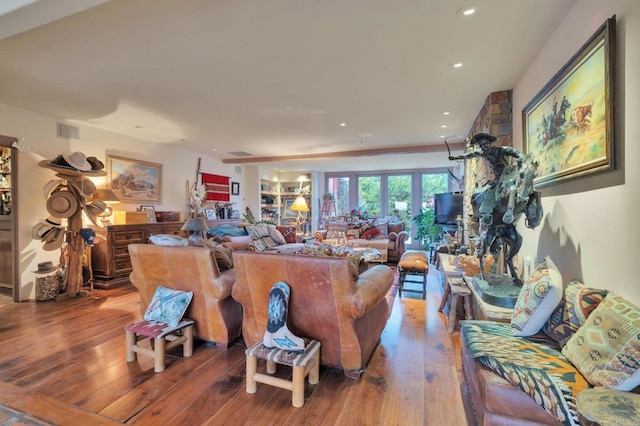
(569, 125)
(134, 181)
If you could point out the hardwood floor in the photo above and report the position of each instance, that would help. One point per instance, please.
(64, 362)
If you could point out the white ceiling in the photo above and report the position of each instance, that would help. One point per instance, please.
(273, 77)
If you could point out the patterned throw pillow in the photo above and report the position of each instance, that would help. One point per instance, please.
(539, 296)
(370, 233)
(260, 235)
(288, 232)
(579, 301)
(168, 305)
(606, 349)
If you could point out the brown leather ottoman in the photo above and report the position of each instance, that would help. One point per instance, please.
(413, 262)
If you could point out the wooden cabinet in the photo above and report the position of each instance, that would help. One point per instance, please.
(110, 256)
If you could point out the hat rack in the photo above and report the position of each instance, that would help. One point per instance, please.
(72, 169)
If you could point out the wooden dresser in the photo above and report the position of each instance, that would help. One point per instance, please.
(110, 255)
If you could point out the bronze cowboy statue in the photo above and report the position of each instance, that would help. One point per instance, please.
(500, 203)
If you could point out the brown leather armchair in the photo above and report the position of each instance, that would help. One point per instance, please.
(326, 304)
(218, 318)
(397, 238)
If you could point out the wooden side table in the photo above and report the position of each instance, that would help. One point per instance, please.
(603, 406)
(456, 288)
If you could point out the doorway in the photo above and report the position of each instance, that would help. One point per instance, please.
(9, 274)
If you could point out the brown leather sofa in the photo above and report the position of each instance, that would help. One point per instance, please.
(326, 304)
(218, 318)
(498, 402)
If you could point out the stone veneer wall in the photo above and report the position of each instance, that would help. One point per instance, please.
(496, 118)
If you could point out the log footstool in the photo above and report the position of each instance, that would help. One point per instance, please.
(158, 333)
(303, 363)
(413, 262)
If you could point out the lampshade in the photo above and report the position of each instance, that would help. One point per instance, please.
(300, 205)
(195, 224)
(106, 195)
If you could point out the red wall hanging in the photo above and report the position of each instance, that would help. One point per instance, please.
(216, 187)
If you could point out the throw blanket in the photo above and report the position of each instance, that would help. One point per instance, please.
(540, 371)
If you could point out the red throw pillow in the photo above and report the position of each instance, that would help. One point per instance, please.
(370, 233)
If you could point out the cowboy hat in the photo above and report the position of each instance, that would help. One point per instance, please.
(77, 160)
(54, 239)
(46, 267)
(64, 168)
(40, 230)
(482, 136)
(52, 221)
(62, 204)
(50, 186)
(96, 164)
(94, 209)
(85, 188)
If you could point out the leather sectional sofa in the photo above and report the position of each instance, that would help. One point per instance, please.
(327, 304)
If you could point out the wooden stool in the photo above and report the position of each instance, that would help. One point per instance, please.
(303, 363)
(413, 262)
(158, 333)
(455, 288)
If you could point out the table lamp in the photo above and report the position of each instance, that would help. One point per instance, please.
(300, 205)
(109, 198)
(196, 227)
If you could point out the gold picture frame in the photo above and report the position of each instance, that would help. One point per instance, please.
(569, 125)
(134, 181)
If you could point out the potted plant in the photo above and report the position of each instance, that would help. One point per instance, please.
(427, 230)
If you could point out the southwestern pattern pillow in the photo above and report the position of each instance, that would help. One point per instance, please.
(539, 296)
(606, 349)
(260, 235)
(288, 232)
(578, 303)
(168, 305)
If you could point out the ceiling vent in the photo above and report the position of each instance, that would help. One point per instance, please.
(238, 170)
(241, 154)
(69, 132)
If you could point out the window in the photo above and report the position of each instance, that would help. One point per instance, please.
(385, 193)
(369, 195)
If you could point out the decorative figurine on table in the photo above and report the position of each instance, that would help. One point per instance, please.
(500, 203)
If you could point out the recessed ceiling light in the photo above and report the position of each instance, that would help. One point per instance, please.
(466, 11)
(456, 65)
(446, 113)
(362, 142)
(444, 126)
(138, 127)
(442, 136)
(214, 149)
(343, 124)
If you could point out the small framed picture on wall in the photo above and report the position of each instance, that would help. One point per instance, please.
(235, 188)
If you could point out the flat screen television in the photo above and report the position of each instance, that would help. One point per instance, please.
(447, 207)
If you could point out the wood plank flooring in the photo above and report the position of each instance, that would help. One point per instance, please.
(64, 362)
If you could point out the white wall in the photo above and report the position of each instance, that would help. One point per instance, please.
(591, 227)
(39, 132)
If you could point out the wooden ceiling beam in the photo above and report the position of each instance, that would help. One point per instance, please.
(416, 149)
